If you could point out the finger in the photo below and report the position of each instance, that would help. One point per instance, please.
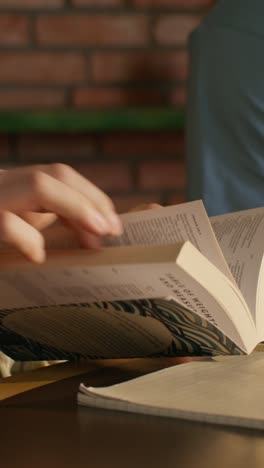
(33, 189)
(16, 232)
(39, 221)
(89, 241)
(64, 234)
(99, 199)
(56, 197)
(59, 236)
(85, 239)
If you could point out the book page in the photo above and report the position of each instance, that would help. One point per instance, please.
(229, 391)
(240, 236)
(187, 221)
(119, 330)
(96, 331)
(82, 283)
(45, 286)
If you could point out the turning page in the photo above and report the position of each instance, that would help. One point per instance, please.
(240, 236)
(187, 221)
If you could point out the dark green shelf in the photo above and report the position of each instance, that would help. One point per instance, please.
(91, 121)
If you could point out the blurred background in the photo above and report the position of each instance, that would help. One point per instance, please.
(101, 85)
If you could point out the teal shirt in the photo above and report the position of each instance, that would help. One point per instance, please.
(225, 121)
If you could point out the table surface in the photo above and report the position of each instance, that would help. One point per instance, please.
(44, 427)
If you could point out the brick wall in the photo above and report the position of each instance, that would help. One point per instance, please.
(86, 54)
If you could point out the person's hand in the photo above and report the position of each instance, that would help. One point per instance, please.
(33, 197)
(57, 235)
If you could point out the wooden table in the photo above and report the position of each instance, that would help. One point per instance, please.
(44, 428)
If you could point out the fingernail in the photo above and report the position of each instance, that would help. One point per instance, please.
(116, 224)
(101, 224)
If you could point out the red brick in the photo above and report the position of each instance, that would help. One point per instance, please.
(97, 3)
(41, 67)
(177, 198)
(34, 4)
(124, 203)
(186, 4)
(14, 29)
(178, 97)
(110, 177)
(175, 29)
(155, 175)
(4, 149)
(92, 30)
(31, 99)
(48, 148)
(139, 66)
(116, 97)
(143, 144)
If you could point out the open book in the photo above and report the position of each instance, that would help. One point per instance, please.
(175, 283)
(224, 391)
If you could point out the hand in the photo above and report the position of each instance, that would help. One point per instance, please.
(57, 235)
(33, 197)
